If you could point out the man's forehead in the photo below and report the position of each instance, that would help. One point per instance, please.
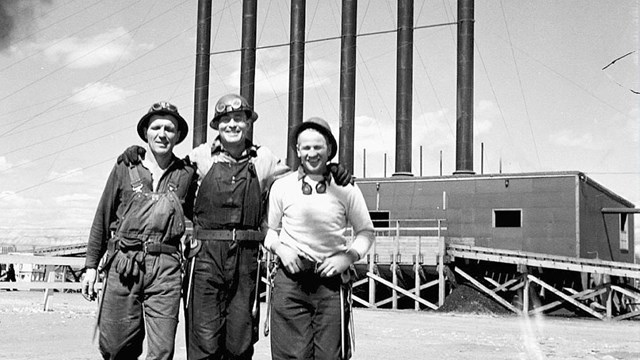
(165, 117)
(311, 135)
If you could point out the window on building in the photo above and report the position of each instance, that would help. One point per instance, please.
(624, 233)
(507, 218)
(380, 219)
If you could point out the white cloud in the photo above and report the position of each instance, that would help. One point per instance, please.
(90, 52)
(4, 164)
(433, 130)
(74, 199)
(72, 176)
(272, 73)
(486, 113)
(14, 201)
(99, 94)
(569, 138)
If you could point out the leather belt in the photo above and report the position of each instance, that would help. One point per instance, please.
(228, 235)
(148, 247)
(160, 248)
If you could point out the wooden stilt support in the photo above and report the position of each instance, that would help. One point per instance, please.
(372, 269)
(440, 262)
(48, 292)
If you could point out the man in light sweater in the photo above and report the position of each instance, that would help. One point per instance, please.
(308, 216)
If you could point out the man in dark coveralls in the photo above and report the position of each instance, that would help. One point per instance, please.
(139, 222)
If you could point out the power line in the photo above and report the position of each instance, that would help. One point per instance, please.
(331, 38)
(524, 99)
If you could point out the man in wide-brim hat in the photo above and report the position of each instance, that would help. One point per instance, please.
(139, 224)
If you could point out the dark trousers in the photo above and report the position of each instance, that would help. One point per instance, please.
(152, 300)
(305, 317)
(219, 319)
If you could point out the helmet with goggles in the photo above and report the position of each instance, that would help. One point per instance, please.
(230, 103)
(163, 108)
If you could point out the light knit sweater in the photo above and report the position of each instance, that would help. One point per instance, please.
(315, 224)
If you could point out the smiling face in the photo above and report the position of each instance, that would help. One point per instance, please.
(313, 151)
(162, 134)
(233, 129)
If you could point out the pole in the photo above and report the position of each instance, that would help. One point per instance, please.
(201, 94)
(481, 158)
(385, 165)
(464, 99)
(296, 75)
(248, 55)
(348, 82)
(404, 86)
(420, 160)
(364, 163)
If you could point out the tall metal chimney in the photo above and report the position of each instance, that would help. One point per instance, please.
(348, 82)
(248, 55)
(296, 75)
(201, 95)
(404, 87)
(464, 108)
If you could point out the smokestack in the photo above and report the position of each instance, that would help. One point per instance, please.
(296, 75)
(464, 109)
(404, 86)
(201, 97)
(348, 82)
(248, 56)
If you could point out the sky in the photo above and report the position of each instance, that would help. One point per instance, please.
(77, 75)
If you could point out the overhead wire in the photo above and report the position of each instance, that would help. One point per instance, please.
(82, 56)
(524, 99)
(74, 33)
(113, 69)
(264, 68)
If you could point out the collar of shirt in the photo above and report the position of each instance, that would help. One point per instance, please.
(302, 173)
(250, 150)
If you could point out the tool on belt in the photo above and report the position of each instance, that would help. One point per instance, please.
(256, 300)
(272, 268)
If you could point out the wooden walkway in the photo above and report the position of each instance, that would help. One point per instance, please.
(623, 295)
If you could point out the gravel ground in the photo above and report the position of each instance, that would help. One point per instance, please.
(65, 332)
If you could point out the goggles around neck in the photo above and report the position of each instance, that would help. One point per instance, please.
(321, 187)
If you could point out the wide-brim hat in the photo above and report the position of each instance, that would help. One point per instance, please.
(163, 108)
(319, 125)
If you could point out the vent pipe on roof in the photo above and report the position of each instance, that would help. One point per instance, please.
(248, 55)
(296, 75)
(464, 108)
(404, 87)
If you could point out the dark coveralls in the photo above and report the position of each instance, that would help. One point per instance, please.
(227, 217)
(143, 267)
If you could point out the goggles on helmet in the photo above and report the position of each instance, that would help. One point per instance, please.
(163, 105)
(234, 105)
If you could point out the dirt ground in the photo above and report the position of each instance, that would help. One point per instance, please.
(65, 332)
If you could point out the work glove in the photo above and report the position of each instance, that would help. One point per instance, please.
(132, 155)
(341, 175)
(128, 265)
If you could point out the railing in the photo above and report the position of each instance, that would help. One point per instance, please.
(51, 284)
(423, 241)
